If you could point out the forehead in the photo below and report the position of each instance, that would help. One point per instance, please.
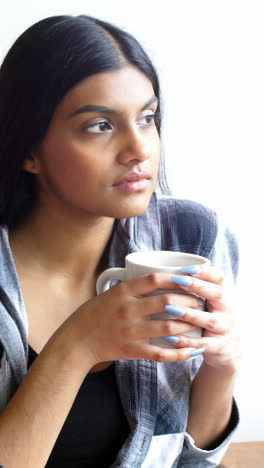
(119, 89)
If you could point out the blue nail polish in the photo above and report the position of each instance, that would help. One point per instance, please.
(182, 280)
(198, 351)
(191, 269)
(173, 339)
(179, 311)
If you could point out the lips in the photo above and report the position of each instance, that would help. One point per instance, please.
(133, 177)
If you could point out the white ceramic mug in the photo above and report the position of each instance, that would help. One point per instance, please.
(142, 263)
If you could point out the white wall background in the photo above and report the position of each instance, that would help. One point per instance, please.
(210, 58)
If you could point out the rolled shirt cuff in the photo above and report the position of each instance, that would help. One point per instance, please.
(194, 456)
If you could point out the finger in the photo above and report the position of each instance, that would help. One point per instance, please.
(213, 274)
(211, 345)
(217, 322)
(156, 328)
(154, 307)
(134, 309)
(144, 350)
(208, 273)
(155, 353)
(209, 291)
(144, 285)
(154, 304)
(219, 352)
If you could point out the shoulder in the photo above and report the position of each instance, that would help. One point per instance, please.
(187, 225)
(182, 225)
(199, 229)
(187, 209)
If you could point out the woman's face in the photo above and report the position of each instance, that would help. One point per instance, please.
(102, 132)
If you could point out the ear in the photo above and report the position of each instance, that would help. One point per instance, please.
(32, 164)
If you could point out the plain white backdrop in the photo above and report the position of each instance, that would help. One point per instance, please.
(209, 55)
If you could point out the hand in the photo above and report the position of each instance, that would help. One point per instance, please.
(117, 325)
(220, 337)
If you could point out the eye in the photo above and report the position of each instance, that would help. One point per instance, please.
(147, 120)
(99, 127)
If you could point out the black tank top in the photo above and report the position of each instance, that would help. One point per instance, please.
(95, 427)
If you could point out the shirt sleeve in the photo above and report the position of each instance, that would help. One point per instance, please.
(225, 255)
(192, 456)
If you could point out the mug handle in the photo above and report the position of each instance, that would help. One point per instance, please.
(104, 280)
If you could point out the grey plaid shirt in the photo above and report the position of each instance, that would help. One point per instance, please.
(154, 396)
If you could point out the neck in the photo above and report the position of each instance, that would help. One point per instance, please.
(52, 243)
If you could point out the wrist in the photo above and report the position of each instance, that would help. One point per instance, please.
(227, 373)
(70, 352)
(229, 369)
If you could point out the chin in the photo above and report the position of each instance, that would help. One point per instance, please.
(133, 207)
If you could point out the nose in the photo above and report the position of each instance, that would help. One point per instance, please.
(134, 147)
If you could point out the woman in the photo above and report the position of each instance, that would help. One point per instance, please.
(79, 160)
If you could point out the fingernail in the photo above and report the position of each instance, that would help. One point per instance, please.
(175, 310)
(173, 339)
(182, 280)
(192, 269)
(198, 351)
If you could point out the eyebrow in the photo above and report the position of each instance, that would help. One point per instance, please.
(95, 108)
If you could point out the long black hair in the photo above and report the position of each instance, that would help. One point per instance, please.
(44, 63)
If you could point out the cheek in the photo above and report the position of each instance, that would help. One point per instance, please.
(155, 142)
(69, 162)
(156, 149)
